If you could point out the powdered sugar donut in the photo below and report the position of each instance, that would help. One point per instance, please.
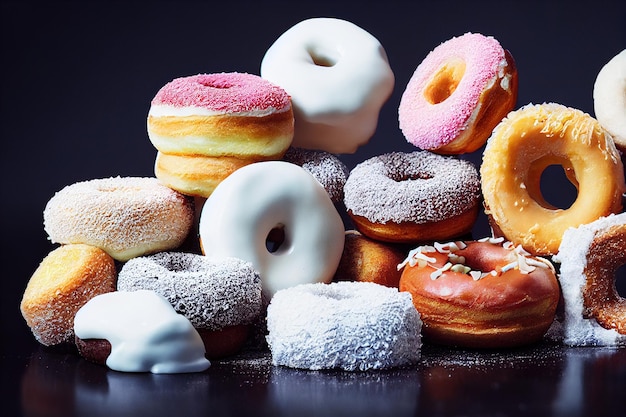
(609, 98)
(346, 325)
(124, 216)
(595, 314)
(277, 202)
(458, 94)
(412, 197)
(215, 294)
(338, 77)
(324, 166)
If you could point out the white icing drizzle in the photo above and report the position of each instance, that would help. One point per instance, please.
(519, 259)
(145, 333)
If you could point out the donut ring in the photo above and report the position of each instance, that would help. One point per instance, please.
(481, 294)
(609, 100)
(522, 146)
(412, 197)
(271, 198)
(346, 325)
(126, 217)
(595, 314)
(338, 77)
(324, 166)
(458, 94)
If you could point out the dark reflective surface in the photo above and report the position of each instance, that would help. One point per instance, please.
(539, 380)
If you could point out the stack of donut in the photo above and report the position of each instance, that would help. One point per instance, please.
(248, 168)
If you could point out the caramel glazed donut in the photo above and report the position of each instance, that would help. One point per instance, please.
(126, 217)
(458, 94)
(590, 255)
(208, 125)
(481, 294)
(413, 197)
(521, 147)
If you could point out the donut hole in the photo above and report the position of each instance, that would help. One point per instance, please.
(322, 58)
(276, 239)
(557, 191)
(444, 82)
(620, 281)
(217, 84)
(410, 176)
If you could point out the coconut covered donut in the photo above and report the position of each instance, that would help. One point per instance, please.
(354, 326)
(124, 216)
(522, 146)
(609, 98)
(458, 94)
(595, 314)
(325, 167)
(220, 296)
(278, 217)
(413, 197)
(208, 125)
(338, 77)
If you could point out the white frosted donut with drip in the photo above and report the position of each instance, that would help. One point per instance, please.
(354, 326)
(338, 77)
(213, 293)
(274, 197)
(609, 98)
(576, 329)
(145, 333)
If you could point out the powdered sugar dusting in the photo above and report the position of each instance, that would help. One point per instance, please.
(418, 187)
(431, 126)
(125, 216)
(223, 93)
(346, 325)
(325, 167)
(576, 330)
(212, 293)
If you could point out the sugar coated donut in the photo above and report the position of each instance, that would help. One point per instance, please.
(142, 331)
(528, 141)
(338, 77)
(325, 167)
(124, 216)
(481, 294)
(66, 279)
(370, 260)
(458, 94)
(277, 216)
(412, 197)
(590, 255)
(207, 125)
(609, 98)
(216, 295)
(354, 326)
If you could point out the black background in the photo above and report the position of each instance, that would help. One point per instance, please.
(77, 80)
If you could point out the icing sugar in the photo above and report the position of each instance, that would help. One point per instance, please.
(347, 325)
(212, 293)
(576, 329)
(418, 186)
(609, 99)
(144, 331)
(324, 166)
(223, 93)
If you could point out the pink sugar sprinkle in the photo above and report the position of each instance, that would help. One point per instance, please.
(223, 92)
(431, 126)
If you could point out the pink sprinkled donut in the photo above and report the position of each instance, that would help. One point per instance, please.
(458, 94)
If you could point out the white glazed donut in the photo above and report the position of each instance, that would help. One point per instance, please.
(609, 98)
(338, 77)
(346, 325)
(274, 198)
